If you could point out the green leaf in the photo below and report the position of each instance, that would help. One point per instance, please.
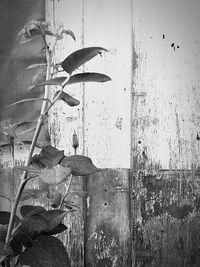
(58, 229)
(4, 251)
(80, 165)
(55, 175)
(26, 209)
(45, 251)
(88, 77)
(53, 218)
(67, 98)
(31, 193)
(5, 217)
(51, 156)
(79, 57)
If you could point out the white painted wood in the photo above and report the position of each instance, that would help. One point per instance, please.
(108, 106)
(166, 85)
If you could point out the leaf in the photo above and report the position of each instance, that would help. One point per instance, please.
(67, 98)
(80, 165)
(45, 251)
(5, 217)
(26, 209)
(69, 205)
(68, 32)
(88, 77)
(55, 175)
(29, 100)
(19, 241)
(36, 162)
(31, 193)
(51, 156)
(53, 218)
(33, 66)
(4, 251)
(28, 169)
(58, 229)
(79, 57)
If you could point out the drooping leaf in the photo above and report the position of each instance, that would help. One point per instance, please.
(5, 251)
(79, 57)
(53, 218)
(68, 32)
(46, 251)
(55, 175)
(67, 98)
(31, 193)
(80, 165)
(58, 229)
(26, 209)
(5, 217)
(51, 156)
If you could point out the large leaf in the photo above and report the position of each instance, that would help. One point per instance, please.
(45, 251)
(80, 165)
(79, 57)
(53, 218)
(55, 175)
(5, 217)
(51, 156)
(26, 209)
(67, 98)
(76, 78)
(31, 193)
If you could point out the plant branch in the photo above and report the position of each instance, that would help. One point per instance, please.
(32, 147)
(67, 192)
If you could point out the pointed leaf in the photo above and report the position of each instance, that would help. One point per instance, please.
(88, 77)
(45, 251)
(79, 57)
(58, 229)
(55, 175)
(68, 32)
(5, 217)
(80, 165)
(67, 98)
(53, 218)
(51, 156)
(26, 209)
(31, 193)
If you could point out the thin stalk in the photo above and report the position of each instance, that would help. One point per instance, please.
(66, 193)
(32, 147)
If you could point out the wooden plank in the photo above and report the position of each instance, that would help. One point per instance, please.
(108, 238)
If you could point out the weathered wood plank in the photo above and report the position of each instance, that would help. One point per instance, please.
(108, 238)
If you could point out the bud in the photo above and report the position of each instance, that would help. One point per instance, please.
(75, 142)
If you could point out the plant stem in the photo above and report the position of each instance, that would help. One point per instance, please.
(32, 147)
(67, 191)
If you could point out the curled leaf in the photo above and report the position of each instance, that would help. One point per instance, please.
(55, 175)
(80, 165)
(67, 98)
(79, 57)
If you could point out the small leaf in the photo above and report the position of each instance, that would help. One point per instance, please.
(75, 142)
(53, 218)
(55, 196)
(79, 57)
(5, 217)
(45, 251)
(26, 209)
(69, 205)
(55, 175)
(67, 98)
(68, 32)
(51, 156)
(80, 165)
(31, 193)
